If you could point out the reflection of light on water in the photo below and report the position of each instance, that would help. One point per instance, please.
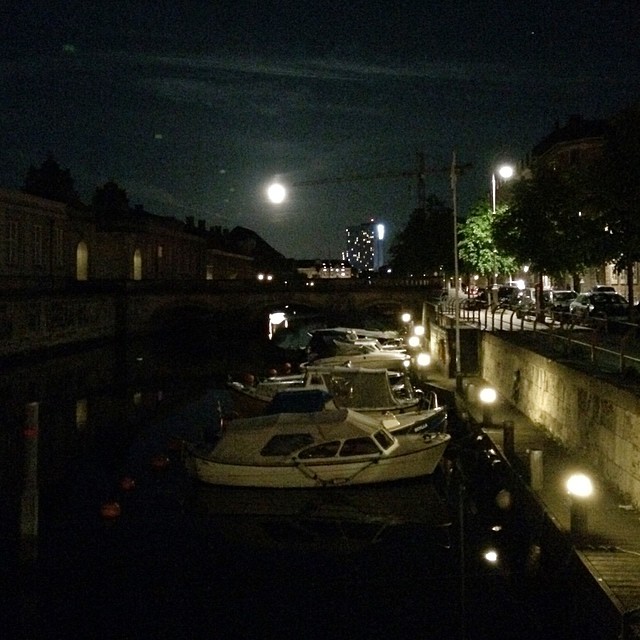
(275, 320)
(29, 499)
(334, 521)
(82, 414)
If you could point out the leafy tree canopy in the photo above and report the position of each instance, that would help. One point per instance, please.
(614, 181)
(477, 245)
(110, 199)
(544, 225)
(51, 182)
(425, 245)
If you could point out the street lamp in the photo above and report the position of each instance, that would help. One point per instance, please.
(505, 172)
(487, 397)
(580, 489)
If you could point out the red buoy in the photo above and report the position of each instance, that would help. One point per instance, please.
(110, 510)
(249, 379)
(159, 462)
(272, 372)
(286, 367)
(127, 483)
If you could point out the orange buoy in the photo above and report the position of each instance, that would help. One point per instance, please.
(110, 510)
(127, 483)
(159, 462)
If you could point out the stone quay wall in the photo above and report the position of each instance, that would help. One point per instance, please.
(591, 417)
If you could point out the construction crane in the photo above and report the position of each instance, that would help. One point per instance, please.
(420, 174)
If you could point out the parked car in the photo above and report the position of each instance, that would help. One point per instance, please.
(553, 301)
(478, 301)
(559, 300)
(526, 303)
(599, 304)
(507, 296)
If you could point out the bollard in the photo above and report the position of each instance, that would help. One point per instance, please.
(508, 439)
(536, 469)
(578, 516)
(580, 488)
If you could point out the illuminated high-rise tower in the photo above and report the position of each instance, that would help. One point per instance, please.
(365, 246)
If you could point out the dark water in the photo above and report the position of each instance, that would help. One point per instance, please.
(187, 561)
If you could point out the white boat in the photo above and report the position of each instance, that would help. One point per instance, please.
(346, 341)
(371, 391)
(306, 450)
(362, 388)
(377, 359)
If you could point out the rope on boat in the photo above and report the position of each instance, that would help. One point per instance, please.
(314, 476)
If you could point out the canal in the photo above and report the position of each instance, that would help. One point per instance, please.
(452, 556)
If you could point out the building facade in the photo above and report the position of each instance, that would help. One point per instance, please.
(577, 145)
(47, 244)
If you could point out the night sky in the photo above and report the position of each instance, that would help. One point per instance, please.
(194, 107)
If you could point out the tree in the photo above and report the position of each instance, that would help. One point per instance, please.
(544, 225)
(477, 246)
(110, 199)
(51, 182)
(615, 187)
(425, 245)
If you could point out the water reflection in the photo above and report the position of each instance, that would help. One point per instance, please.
(194, 561)
(347, 520)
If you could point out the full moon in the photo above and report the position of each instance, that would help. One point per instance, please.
(276, 193)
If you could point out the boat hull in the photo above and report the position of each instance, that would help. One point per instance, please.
(421, 459)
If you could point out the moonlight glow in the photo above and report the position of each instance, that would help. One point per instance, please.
(276, 193)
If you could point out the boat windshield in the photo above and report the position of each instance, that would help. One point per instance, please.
(355, 389)
(286, 444)
(358, 447)
(383, 439)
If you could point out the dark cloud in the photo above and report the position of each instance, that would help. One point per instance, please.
(193, 107)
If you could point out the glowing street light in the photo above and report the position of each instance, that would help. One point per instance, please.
(580, 488)
(487, 397)
(505, 172)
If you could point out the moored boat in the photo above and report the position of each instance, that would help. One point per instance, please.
(371, 391)
(328, 448)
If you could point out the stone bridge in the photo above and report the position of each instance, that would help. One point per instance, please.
(33, 321)
(251, 303)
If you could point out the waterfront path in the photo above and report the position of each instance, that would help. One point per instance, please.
(602, 534)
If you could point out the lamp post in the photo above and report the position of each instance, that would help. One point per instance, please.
(505, 172)
(580, 489)
(456, 301)
(487, 397)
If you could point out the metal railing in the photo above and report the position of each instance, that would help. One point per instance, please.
(606, 345)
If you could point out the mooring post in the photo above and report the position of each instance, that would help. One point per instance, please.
(536, 469)
(508, 439)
